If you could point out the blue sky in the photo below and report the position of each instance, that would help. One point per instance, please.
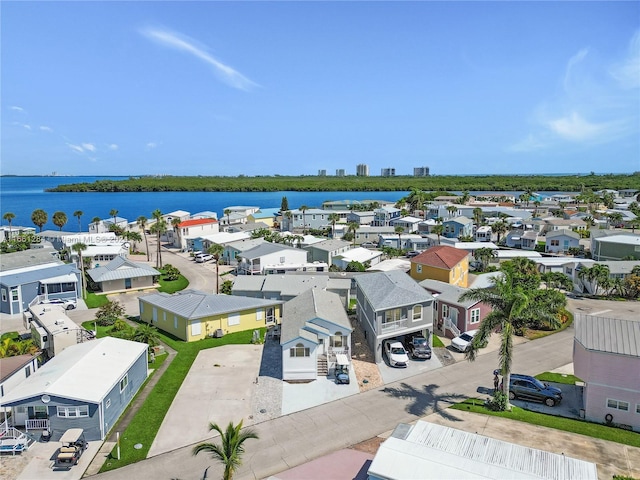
(264, 88)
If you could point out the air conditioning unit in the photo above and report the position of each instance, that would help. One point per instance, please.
(218, 333)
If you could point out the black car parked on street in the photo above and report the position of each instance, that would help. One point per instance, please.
(525, 387)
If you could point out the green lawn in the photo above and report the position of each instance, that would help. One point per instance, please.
(95, 300)
(174, 285)
(437, 342)
(582, 427)
(558, 378)
(145, 425)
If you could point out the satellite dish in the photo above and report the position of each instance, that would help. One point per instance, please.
(45, 398)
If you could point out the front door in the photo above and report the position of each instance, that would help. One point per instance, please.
(127, 283)
(321, 346)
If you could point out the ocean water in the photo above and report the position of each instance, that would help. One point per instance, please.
(23, 195)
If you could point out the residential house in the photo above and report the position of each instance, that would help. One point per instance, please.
(204, 214)
(430, 451)
(550, 224)
(313, 218)
(392, 264)
(87, 386)
(444, 263)
(182, 236)
(326, 251)
(409, 224)
(234, 250)
(424, 242)
(315, 331)
(55, 238)
(245, 210)
(504, 255)
(513, 238)
(384, 215)
(33, 274)
(268, 216)
(371, 233)
(389, 305)
(221, 238)
(101, 253)
(483, 234)
(248, 227)
(628, 192)
(361, 217)
(361, 255)
(426, 226)
(122, 274)
(289, 286)
(232, 219)
(354, 204)
(106, 225)
(606, 357)
(193, 315)
(618, 269)
(458, 227)
(14, 370)
(274, 258)
(453, 316)
(614, 246)
(404, 241)
(15, 231)
(560, 241)
(529, 240)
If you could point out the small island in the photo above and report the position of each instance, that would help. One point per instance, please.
(497, 183)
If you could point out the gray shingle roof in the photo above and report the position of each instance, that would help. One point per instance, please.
(120, 268)
(610, 335)
(391, 289)
(329, 245)
(447, 293)
(564, 232)
(193, 304)
(309, 305)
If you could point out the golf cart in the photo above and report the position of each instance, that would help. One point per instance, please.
(342, 369)
(72, 446)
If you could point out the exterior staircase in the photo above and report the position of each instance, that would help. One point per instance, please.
(323, 368)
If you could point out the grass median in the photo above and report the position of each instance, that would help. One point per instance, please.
(582, 427)
(146, 423)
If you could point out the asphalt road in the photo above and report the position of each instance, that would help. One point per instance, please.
(296, 438)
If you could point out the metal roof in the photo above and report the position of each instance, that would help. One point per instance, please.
(267, 248)
(28, 258)
(84, 372)
(391, 289)
(609, 335)
(429, 451)
(330, 245)
(192, 304)
(120, 268)
(36, 274)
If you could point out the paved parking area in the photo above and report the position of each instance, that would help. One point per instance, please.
(40, 458)
(414, 367)
(603, 308)
(569, 407)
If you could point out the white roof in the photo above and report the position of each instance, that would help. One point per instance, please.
(429, 451)
(517, 253)
(225, 237)
(623, 239)
(84, 372)
(475, 245)
(68, 278)
(102, 249)
(360, 254)
(390, 265)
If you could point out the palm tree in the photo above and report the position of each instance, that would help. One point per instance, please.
(438, 230)
(614, 218)
(174, 223)
(9, 216)
(399, 230)
(159, 227)
(484, 256)
(78, 214)
(79, 248)
(227, 212)
(500, 228)
(39, 218)
(229, 452)
(60, 219)
(303, 209)
(333, 218)
(464, 198)
(113, 213)
(536, 203)
(145, 333)
(216, 250)
(288, 215)
(511, 307)
(134, 237)
(596, 275)
(352, 228)
(477, 216)
(452, 209)
(142, 223)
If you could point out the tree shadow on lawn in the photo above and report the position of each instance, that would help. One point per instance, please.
(425, 399)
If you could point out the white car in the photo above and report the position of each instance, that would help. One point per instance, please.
(203, 257)
(463, 342)
(396, 353)
(67, 303)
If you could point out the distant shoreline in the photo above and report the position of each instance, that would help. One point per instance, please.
(491, 183)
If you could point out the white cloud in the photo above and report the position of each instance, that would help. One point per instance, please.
(44, 128)
(529, 144)
(16, 108)
(28, 127)
(75, 148)
(573, 61)
(151, 145)
(89, 147)
(627, 71)
(575, 128)
(225, 73)
(113, 146)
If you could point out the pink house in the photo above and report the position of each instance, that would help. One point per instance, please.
(450, 314)
(606, 356)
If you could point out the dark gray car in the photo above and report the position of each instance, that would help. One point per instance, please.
(418, 347)
(525, 387)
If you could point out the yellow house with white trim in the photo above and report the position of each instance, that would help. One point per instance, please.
(192, 315)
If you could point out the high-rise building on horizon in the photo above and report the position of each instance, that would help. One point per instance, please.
(340, 172)
(322, 173)
(362, 170)
(388, 172)
(421, 172)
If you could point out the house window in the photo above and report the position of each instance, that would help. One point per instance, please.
(299, 351)
(282, 260)
(69, 287)
(196, 328)
(107, 404)
(124, 382)
(392, 315)
(445, 311)
(618, 404)
(419, 268)
(73, 411)
(154, 314)
(164, 316)
(475, 315)
(175, 322)
(637, 407)
(233, 319)
(40, 411)
(27, 371)
(555, 243)
(4, 295)
(141, 307)
(259, 315)
(337, 340)
(14, 294)
(417, 313)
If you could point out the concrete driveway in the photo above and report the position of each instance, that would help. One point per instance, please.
(218, 388)
(40, 458)
(414, 367)
(569, 407)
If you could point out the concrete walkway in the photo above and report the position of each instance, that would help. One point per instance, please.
(294, 439)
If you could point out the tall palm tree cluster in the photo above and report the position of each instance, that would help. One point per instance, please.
(517, 303)
(598, 281)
